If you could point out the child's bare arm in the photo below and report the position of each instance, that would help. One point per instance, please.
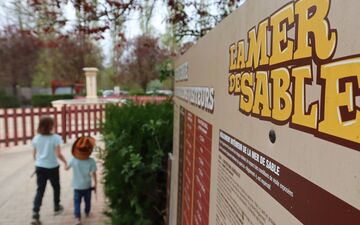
(60, 156)
(95, 180)
(34, 154)
(67, 167)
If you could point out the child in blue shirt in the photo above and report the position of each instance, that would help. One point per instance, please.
(84, 168)
(46, 154)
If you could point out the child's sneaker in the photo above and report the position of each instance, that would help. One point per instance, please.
(78, 222)
(35, 222)
(58, 209)
(35, 219)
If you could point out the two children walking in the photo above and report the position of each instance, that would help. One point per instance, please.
(46, 153)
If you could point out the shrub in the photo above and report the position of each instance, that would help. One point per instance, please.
(8, 101)
(45, 100)
(136, 91)
(137, 138)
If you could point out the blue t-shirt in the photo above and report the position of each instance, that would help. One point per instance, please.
(82, 170)
(45, 150)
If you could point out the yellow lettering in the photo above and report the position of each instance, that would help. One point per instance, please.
(262, 95)
(237, 83)
(313, 20)
(282, 103)
(247, 97)
(257, 54)
(282, 47)
(300, 117)
(231, 83)
(232, 63)
(335, 123)
(241, 55)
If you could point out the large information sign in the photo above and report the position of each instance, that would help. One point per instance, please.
(267, 118)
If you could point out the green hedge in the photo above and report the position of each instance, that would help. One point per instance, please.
(137, 138)
(45, 100)
(7, 101)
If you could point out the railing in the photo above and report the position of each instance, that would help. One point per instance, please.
(136, 99)
(18, 126)
(146, 99)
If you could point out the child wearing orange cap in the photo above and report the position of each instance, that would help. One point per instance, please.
(84, 168)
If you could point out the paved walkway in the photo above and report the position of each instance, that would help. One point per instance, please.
(17, 190)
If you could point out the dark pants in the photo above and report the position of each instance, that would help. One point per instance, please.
(42, 175)
(78, 195)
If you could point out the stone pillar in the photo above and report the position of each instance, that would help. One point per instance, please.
(91, 88)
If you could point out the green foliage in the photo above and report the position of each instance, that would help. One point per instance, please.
(166, 69)
(168, 83)
(7, 101)
(107, 78)
(45, 69)
(154, 85)
(45, 100)
(65, 61)
(138, 138)
(136, 91)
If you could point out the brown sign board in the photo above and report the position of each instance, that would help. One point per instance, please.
(267, 118)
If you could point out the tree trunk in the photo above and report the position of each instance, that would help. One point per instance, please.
(14, 89)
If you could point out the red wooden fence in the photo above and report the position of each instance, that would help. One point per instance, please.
(18, 126)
